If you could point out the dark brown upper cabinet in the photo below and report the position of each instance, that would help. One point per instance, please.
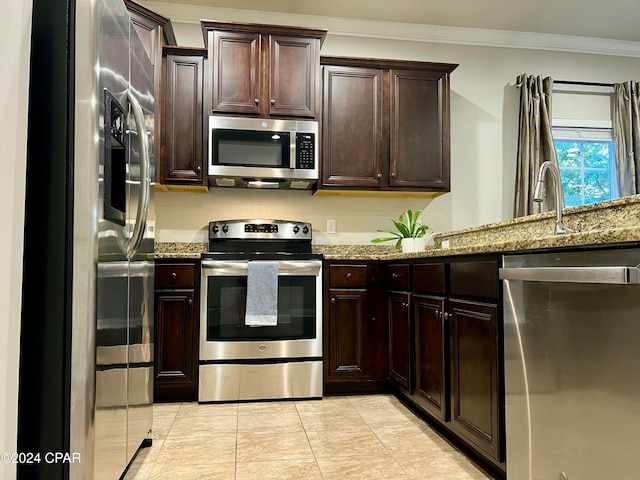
(155, 31)
(184, 142)
(385, 125)
(262, 70)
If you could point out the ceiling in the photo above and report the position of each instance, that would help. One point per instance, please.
(611, 19)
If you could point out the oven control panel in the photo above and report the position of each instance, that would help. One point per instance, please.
(259, 229)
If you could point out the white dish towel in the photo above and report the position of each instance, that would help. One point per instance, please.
(262, 294)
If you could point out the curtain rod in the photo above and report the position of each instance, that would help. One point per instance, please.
(571, 82)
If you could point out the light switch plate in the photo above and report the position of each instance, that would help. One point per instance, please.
(331, 225)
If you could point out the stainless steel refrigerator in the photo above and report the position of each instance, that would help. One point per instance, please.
(86, 361)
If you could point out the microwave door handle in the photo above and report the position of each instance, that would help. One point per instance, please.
(145, 181)
(292, 151)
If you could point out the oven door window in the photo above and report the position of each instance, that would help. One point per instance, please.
(248, 148)
(226, 304)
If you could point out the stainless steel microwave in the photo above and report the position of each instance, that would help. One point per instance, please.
(262, 153)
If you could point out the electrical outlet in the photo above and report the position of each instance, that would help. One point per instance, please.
(331, 225)
(445, 244)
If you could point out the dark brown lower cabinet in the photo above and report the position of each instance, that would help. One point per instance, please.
(176, 332)
(400, 340)
(431, 336)
(355, 329)
(348, 333)
(474, 366)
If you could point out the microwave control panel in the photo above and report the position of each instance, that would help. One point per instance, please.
(305, 151)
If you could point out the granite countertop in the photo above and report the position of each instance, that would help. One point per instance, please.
(613, 222)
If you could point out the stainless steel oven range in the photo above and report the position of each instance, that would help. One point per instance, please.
(261, 312)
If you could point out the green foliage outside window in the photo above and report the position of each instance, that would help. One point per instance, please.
(586, 170)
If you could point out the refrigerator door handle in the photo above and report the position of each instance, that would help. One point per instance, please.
(145, 181)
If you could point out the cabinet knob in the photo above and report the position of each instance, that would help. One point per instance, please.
(447, 315)
(395, 276)
(198, 169)
(349, 275)
(405, 304)
(273, 102)
(190, 302)
(373, 319)
(438, 314)
(174, 275)
(379, 176)
(333, 300)
(393, 174)
(256, 101)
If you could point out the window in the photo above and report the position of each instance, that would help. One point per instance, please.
(586, 157)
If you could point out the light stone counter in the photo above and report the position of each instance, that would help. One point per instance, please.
(613, 222)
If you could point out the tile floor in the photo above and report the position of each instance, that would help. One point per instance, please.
(344, 438)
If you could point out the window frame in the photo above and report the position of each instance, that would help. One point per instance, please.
(588, 131)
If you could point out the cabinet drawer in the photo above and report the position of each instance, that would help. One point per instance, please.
(398, 277)
(175, 275)
(348, 275)
(429, 277)
(476, 279)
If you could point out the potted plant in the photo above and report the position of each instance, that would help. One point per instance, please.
(410, 232)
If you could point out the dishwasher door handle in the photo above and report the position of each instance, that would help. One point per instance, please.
(617, 275)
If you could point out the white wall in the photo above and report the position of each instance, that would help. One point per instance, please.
(484, 117)
(15, 31)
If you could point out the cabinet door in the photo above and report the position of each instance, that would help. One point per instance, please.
(236, 72)
(293, 75)
(399, 340)
(419, 129)
(174, 340)
(352, 145)
(431, 354)
(183, 131)
(154, 31)
(474, 370)
(347, 333)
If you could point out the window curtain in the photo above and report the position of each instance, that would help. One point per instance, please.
(535, 143)
(626, 136)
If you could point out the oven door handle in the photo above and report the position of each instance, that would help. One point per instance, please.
(285, 267)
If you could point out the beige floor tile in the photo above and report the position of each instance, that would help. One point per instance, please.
(201, 425)
(161, 426)
(344, 443)
(279, 470)
(219, 471)
(449, 465)
(265, 446)
(344, 438)
(373, 401)
(369, 467)
(270, 423)
(197, 451)
(332, 420)
(165, 409)
(206, 409)
(326, 404)
(251, 408)
(407, 437)
(388, 416)
(442, 442)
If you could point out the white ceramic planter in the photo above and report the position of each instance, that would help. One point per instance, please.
(413, 245)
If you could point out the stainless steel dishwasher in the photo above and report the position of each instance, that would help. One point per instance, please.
(572, 365)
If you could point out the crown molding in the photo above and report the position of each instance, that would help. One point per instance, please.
(341, 26)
